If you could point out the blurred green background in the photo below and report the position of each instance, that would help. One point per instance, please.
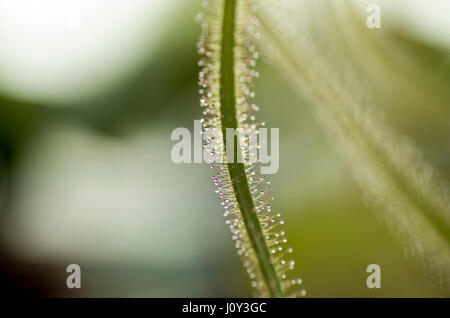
(89, 94)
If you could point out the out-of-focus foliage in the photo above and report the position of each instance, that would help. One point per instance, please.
(406, 191)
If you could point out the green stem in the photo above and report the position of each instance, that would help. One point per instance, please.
(237, 170)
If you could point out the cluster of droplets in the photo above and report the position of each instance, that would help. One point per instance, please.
(271, 222)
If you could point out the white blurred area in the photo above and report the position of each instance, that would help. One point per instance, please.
(62, 51)
(120, 208)
(428, 20)
(88, 198)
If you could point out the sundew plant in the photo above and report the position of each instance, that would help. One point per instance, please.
(323, 124)
(228, 62)
(405, 191)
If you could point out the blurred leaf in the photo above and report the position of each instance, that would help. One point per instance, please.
(405, 190)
